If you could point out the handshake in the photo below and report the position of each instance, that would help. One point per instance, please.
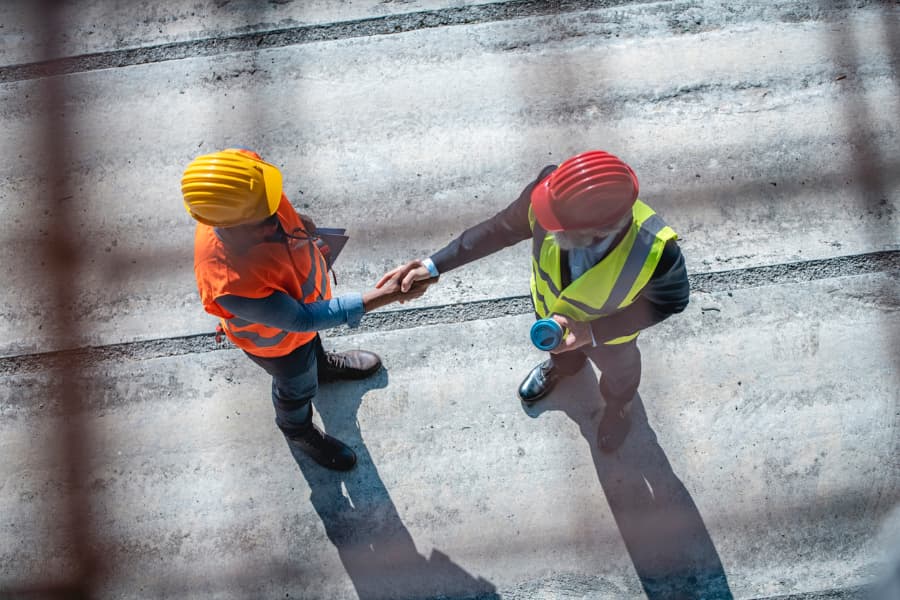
(402, 284)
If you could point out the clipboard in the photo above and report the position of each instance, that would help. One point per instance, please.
(330, 241)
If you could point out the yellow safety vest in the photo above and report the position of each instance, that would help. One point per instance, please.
(610, 285)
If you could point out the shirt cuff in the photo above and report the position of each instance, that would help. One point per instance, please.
(432, 268)
(352, 304)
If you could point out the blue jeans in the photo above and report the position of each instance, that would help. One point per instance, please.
(295, 382)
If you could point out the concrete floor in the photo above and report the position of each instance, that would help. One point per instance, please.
(763, 462)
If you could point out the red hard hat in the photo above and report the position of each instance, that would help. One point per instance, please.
(590, 190)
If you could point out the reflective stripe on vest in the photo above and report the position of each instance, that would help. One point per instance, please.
(610, 285)
(258, 340)
(318, 274)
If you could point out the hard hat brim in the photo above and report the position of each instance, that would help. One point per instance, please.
(540, 202)
(272, 179)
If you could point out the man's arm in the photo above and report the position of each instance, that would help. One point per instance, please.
(667, 293)
(284, 312)
(506, 228)
(281, 311)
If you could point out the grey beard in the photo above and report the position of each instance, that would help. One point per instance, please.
(567, 240)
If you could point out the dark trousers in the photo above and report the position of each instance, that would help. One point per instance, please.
(295, 381)
(619, 364)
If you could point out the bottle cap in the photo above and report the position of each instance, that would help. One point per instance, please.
(546, 334)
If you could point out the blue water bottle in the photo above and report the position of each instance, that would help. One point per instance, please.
(547, 334)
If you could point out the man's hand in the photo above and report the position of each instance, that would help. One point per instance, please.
(579, 334)
(407, 274)
(389, 290)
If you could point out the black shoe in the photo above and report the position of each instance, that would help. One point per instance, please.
(539, 382)
(355, 364)
(614, 428)
(324, 449)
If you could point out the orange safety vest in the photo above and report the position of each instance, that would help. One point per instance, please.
(295, 267)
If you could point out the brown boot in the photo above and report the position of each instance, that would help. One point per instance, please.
(355, 364)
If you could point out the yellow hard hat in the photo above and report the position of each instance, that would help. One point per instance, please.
(231, 187)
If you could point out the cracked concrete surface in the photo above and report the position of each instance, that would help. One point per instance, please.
(763, 462)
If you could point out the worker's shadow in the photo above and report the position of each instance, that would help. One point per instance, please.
(663, 531)
(362, 522)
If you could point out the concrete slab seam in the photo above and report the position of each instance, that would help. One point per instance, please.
(712, 282)
(306, 34)
(276, 38)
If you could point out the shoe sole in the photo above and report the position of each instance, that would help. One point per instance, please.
(534, 400)
(331, 467)
(352, 376)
